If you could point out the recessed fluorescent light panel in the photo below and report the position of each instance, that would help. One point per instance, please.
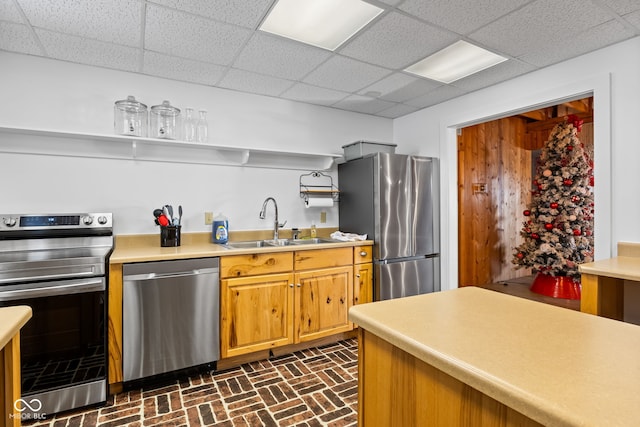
(452, 63)
(323, 23)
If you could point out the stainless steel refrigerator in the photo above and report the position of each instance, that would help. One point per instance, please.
(394, 199)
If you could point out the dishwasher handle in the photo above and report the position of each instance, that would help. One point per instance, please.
(155, 276)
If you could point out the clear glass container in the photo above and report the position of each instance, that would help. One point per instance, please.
(202, 129)
(189, 126)
(164, 121)
(130, 117)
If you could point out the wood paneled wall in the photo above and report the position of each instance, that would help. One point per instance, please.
(498, 155)
(489, 221)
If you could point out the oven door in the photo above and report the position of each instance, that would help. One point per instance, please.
(63, 345)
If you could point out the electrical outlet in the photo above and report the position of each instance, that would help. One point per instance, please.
(208, 218)
(323, 217)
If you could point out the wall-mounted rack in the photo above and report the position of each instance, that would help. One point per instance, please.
(317, 184)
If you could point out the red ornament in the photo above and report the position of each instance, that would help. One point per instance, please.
(539, 186)
(535, 236)
(567, 182)
(553, 205)
(526, 212)
(591, 181)
(520, 255)
(575, 198)
(548, 226)
(569, 147)
(577, 232)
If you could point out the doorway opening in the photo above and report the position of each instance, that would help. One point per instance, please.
(495, 167)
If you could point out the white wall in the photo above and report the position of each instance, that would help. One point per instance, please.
(53, 95)
(612, 75)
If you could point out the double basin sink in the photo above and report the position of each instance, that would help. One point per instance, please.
(279, 242)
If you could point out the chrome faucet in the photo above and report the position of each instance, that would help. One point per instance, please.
(276, 224)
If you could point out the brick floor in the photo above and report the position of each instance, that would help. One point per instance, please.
(313, 387)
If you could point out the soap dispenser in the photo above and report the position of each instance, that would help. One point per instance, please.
(220, 229)
(314, 232)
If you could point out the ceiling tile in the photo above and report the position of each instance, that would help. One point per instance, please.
(363, 104)
(18, 38)
(456, 15)
(172, 67)
(9, 12)
(436, 96)
(598, 37)
(90, 52)
(541, 23)
(313, 94)
(247, 13)
(345, 74)
(397, 41)
(88, 18)
(501, 72)
(397, 110)
(633, 19)
(272, 55)
(622, 7)
(188, 36)
(246, 81)
(400, 87)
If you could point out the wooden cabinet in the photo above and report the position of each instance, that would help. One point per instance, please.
(322, 302)
(362, 275)
(256, 313)
(273, 299)
(256, 302)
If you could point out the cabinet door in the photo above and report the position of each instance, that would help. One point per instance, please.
(256, 313)
(323, 298)
(363, 289)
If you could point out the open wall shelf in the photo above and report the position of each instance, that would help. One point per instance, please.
(56, 143)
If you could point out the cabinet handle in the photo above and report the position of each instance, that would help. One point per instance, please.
(363, 253)
(299, 285)
(291, 285)
(358, 276)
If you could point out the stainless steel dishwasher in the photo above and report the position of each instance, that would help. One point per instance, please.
(171, 312)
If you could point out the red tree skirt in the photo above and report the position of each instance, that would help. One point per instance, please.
(556, 286)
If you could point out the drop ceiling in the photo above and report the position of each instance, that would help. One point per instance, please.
(217, 43)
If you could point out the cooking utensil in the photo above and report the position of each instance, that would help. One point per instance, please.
(179, 214)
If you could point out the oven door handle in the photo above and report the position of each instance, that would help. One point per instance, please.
(66, 287)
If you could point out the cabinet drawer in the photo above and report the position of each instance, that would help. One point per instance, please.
(254, 264)
(362, 254)
(323, 258)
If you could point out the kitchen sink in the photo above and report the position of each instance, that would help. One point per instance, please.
(280, 242)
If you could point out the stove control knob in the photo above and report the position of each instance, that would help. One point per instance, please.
(9, 222)
(87, 220)
(102, 220)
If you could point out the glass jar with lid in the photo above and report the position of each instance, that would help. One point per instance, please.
(130, 117)
(164, 121)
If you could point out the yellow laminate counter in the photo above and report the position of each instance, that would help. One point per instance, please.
(603, 281)
(472, 352)
(144, 248)
(12, 319)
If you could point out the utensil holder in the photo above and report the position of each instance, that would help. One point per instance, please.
(170, 236)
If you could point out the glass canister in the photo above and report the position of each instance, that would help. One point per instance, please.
(164, 121)
(130, 117)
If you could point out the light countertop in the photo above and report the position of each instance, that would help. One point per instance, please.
(557, 366)
(620, 267)
(145, 248)
(11, 320)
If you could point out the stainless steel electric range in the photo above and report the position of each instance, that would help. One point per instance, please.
(57, 265)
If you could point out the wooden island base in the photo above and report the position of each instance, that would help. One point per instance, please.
(397, 389)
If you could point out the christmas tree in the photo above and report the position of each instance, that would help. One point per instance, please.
(558, 229)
